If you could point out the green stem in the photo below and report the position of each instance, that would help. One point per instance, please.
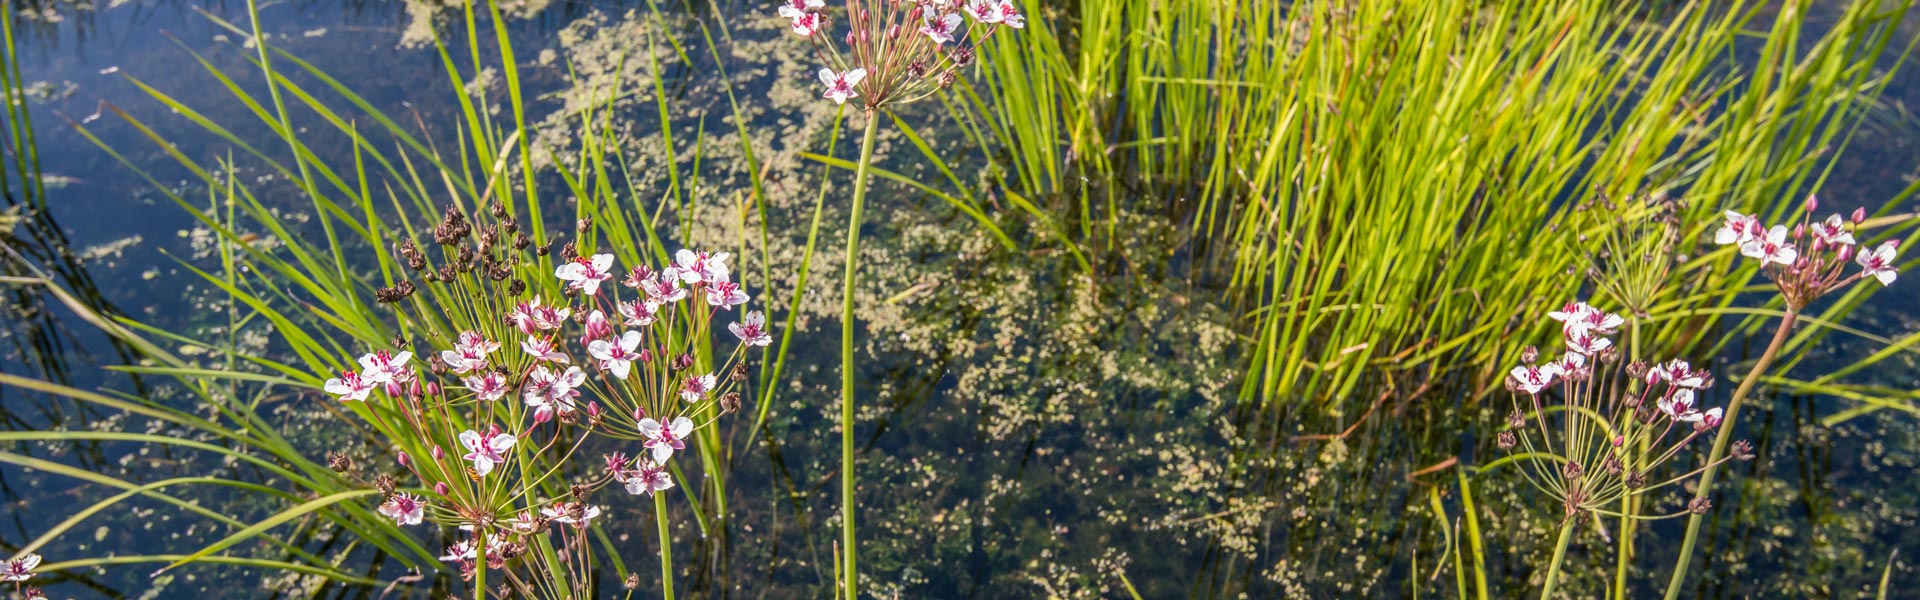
(1629, 503)
(852, 579)
(666, 546)
(1720, 440)
(1559, 556)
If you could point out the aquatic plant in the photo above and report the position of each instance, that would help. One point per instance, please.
(884, 61)
(489, 434)
(1806, 262)
(1612, 425)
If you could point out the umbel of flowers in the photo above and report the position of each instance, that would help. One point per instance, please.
(487, 422)
(1591, 428)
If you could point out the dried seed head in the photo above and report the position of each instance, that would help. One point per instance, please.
(1516, 420)
(385, 483)
(1742, 450)
(683, 362)
(395, 293)
(1530, 355)
(1506, 440)
(632, 582)
(739, 373)
(730, 402)
(1637, 369)
(1636, 480)
(516, 287)
(584, 225)
(569, 252)
(1571, 470)
(1699, 506)
(1612, 466)
(339, 462)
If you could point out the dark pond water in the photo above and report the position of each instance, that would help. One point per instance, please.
(988, 472)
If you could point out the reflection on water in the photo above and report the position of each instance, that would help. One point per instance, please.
(1032, 431)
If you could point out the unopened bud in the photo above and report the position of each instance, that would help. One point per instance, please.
(439, 454)
(1799, 231)
(433, 388)
(646, 355)
(441, 488)
(1846, 252)
(542, 416)
(1859, 215)
(1812, 204)
(683, 362)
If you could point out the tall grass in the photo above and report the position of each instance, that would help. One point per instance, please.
(1383, 185)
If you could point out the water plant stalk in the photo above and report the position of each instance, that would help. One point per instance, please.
(851, 577)
(1559, 556)
(666, 546)
(1720, 441)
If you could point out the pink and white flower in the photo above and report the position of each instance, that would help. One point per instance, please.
(545, 350)
(382, 367)
(1738, 229)
(1535, 378)
(1583, 340)
(20, 569)
(726, 294)
(752, 329)
(404, 508)
(984, 11)
(350, 387)
(586, 273)
(941, 27)
(1679, 406)
(647, 479)
(549, 393)
(840, 85)
(696, 387)
(1878, 262)
(617, 357)
(1010, 15)
(666, 288)
(1771, 247)
(696, 268)
(639, 313)
(1832, 232)
(530, 317)
(577, 514)
(664, 439)
(484, 451)
(469, 353)
(1581, 314)
(1678, 373)
(488, 386)
(807, 24)
(463, 550)
(793, 9)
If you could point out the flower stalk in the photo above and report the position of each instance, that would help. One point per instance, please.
(1559, 557)
(847, 516)
(1720, 444)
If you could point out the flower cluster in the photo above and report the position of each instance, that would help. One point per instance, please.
(518, 386)
(898, 51)
(1810, 259)
(1614, 424)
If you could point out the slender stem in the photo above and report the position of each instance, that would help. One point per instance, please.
(1629, 503)
(666, 546)
(852, 579)
(1720, 440)
(1559, 556)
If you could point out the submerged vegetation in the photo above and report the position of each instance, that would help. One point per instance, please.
(1140, 299)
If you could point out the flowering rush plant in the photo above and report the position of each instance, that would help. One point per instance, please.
(897, 51)
(1593, 430)
(1812, 258)
(486, 424)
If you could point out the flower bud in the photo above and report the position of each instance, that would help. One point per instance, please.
(1812, 204)
(683, 362)
(639, 413)
(542, 416)
(404, 459)
(433, 388)
(1800, 231)
(439, 454)
(1846, 252)
(646, 355)
(1859, 215)
(441, 488)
